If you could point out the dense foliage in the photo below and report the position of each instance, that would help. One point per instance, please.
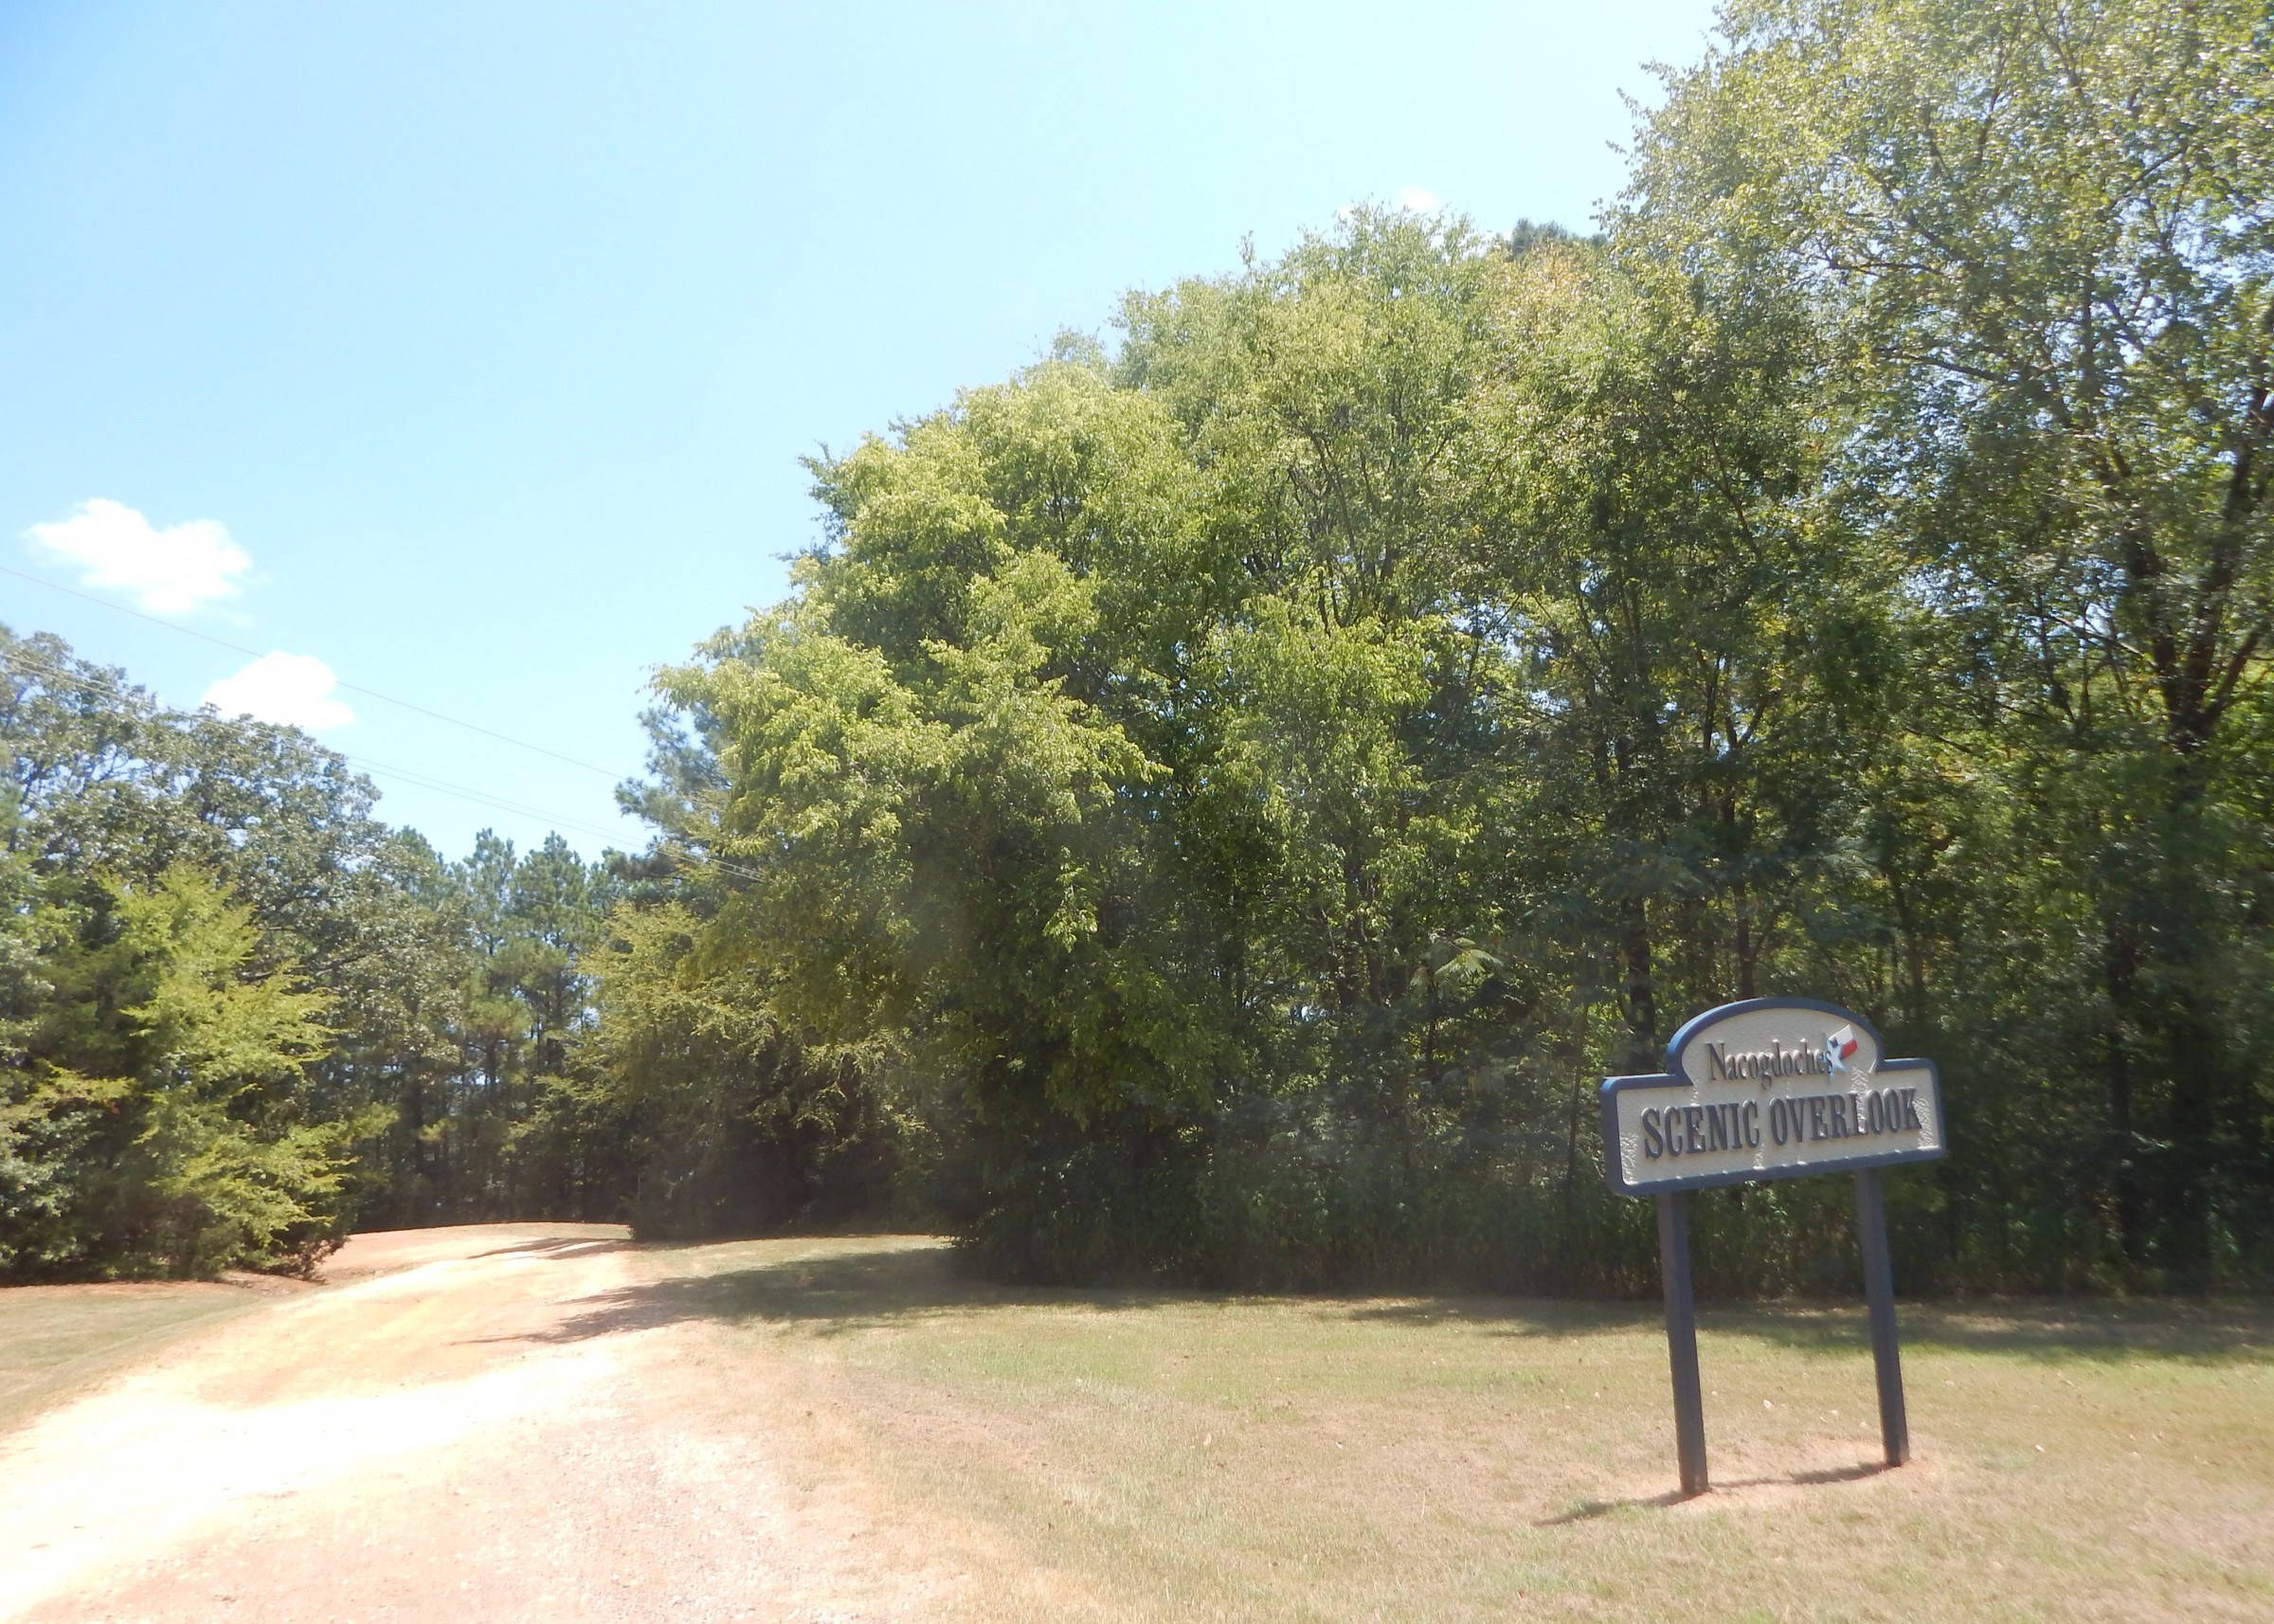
(239, 1014)
(1238, 792)
(180, 890)
(1215, 803)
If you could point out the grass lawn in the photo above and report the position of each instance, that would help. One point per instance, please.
(57, 1339)
(1139, 1455)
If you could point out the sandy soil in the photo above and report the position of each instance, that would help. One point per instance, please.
(458, 1427)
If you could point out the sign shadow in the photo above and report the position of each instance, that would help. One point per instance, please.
(1587, 1510)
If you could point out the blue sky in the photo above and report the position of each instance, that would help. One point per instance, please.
(470, 349)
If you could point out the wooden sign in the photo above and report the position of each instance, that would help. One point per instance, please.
(1770, 1088)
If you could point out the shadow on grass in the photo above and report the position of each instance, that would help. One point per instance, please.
(1589, 1509)
(1514, 1316)
(2054, 1331)
(833, 1293)
(2217, 1331)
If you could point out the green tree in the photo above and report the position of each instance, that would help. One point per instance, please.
(731, 1125)
(170, 1072)
(2042, 236)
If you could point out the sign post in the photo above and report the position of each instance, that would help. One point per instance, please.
(1770, 1088)
(1682, 1340)
(1879, 1296)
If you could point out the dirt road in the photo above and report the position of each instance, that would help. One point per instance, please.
(476, 1423)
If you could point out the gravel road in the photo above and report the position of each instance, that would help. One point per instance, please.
(472, 1423)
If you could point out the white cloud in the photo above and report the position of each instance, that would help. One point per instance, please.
(291, 690)
(1418, 200)
(167, 571)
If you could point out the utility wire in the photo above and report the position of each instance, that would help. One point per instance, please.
(423, 781)
(48, 669)
(350, 687)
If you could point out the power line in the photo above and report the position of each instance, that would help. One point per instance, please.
(442, 786)
(352, 687)
(423, 781)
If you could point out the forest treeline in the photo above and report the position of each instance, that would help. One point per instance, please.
(1216, 801)
(241, 1014)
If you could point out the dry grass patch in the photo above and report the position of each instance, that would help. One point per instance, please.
(1154, 1455)
(57, 1339)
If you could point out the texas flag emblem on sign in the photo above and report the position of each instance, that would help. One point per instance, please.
(1841, 1046)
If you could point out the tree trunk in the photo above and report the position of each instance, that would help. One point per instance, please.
(2120, 958)
(1638, 1000)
